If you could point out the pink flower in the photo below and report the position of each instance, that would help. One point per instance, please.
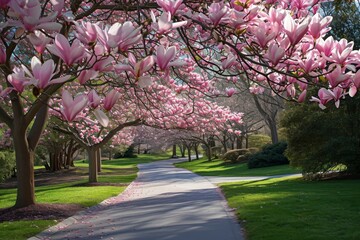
(69, 54)
(164, 23)
(295, 31)
(72, 107)
(18, 80)
(42, 74)
(336, 76)
(94, 99)
(230, 91)
(86, 75)
(86, 32)
(302, 96)
(39, 40)
(123, 35)
(229, 61)
(111, 99)
(275, 53)
(143, 66)
(165, 56)
(318, 26)
(29, 16)
(355, 84)
(218, 13)
(326, 95)
(170, 6)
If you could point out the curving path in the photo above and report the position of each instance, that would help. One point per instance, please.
(163, 203)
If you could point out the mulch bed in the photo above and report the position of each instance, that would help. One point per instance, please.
(39, 212)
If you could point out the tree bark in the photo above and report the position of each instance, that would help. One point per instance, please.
(196, 149)
(174, 151)
(98, 153)
(182, 150)
(189, 152)
(239, 142)
(25, 168)
(93, 173)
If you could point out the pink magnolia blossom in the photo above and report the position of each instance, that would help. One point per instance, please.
(302, 96)
(164, 23)
(71, 107)
(143, 66)
(336, 76)
(69, 54)
(86, 32)
(295, 31)
(39, 40)
(230, 91)
(275, 53)
(18, 80)
(229, 61)
(319, 26)
(218, 13)
(86, 75)
(42, 74)
(28, 15)
(164, 57)
(355, 84)
(326, 95)
(341, 52)
(170, 6)
(123, 35)
(111, 99)
(325, 47)
(101, 117)
(94, 99)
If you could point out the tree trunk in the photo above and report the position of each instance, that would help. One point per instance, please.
(174, 151)
(93, 173)
(247, 141)
(98, 153)
(182, 150)
(196, 148)
(25, 169)
(224, 143)
(273, 130)
(189, 152)
(239, 142)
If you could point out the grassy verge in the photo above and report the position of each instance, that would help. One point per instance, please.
(219, 168)
(290, 208)
(114, 171)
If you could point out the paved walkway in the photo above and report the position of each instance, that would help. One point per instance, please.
(163, 203)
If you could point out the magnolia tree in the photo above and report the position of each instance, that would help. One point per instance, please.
(79, 58)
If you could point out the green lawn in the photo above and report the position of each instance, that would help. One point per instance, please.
(219, 168)
(114, 171)
(291, 208)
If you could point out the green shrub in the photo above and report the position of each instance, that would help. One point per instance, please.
(7, 164)
(271, 155)
(320, 140)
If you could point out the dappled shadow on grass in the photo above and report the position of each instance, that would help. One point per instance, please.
(297, 208)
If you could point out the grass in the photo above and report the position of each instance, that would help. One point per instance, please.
(290, 208)
(219, 168)
(113, 171)
(17, 229)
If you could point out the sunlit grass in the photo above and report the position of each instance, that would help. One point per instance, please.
(220, 168)
(290, 208)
